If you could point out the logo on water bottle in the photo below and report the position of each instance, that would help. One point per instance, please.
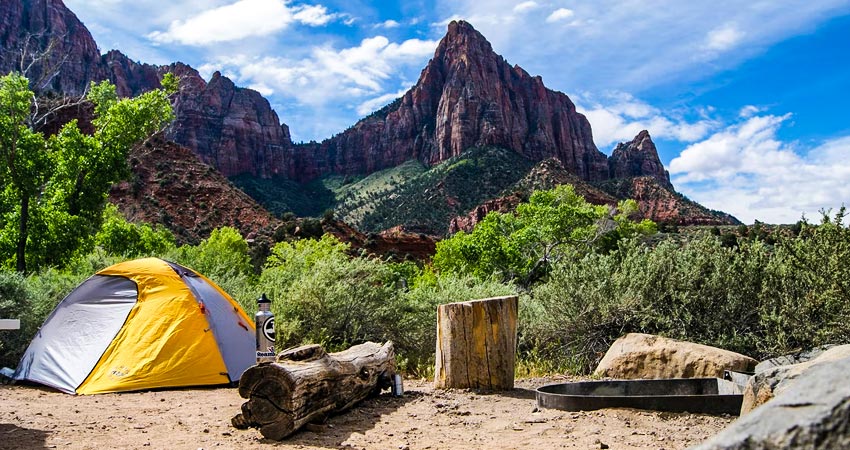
(268, 329)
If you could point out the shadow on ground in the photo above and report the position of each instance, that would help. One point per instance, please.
(337, 429)
(13, 436)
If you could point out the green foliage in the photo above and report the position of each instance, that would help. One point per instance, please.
(282, 195)
(14, 305)
(552, 226)
(225, 259)
(117, 236)
(754, 298)
(55, 188)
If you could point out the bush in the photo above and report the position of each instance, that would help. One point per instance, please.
(14, 304)
(224, 258)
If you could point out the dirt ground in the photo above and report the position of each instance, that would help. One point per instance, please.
(37, 418)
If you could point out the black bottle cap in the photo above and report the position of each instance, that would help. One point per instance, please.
(263, 299)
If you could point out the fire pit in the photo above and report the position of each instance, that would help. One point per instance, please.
(696, 395)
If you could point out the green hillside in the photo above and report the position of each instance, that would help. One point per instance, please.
(420, 198)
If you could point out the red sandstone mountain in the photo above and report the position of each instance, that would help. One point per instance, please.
(469, 96)
(466, 96)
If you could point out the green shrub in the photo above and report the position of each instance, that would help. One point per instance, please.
(225, 259)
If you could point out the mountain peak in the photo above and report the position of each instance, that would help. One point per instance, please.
(462, 42)
(638, 158)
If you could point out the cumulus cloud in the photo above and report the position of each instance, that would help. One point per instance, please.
(330, 74)
(618, 116)
(746, 170)
(240, 20)
(560, 14)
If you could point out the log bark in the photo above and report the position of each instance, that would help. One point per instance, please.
(306, 384)
(476, 344)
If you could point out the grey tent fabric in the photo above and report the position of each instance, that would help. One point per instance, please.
(227, 326)
(75, 335)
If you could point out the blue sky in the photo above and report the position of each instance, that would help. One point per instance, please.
(746, 99)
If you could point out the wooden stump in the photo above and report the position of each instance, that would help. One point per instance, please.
(476, 344)
(306, 385)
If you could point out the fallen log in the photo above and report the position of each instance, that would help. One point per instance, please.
(306, 384)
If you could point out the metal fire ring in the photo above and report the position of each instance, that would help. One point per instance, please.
(695, 395)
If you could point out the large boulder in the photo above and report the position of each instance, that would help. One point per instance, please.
(767, 384)
(636, 356)
(812, 413)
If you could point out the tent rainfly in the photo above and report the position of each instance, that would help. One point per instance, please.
(142, 324)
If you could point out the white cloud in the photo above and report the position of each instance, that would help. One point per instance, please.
(329, 74)
(618, 116)
(525, 6)
(560, 14)
(723, 38)
(749, 111)
(388, 24)
(240, 20)
(373, 104)
(748, 171)
(313, 15)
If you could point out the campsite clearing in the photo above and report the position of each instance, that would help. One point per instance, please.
(36, 418)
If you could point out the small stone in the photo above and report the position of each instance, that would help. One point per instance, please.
(603, 445)
(206, 430)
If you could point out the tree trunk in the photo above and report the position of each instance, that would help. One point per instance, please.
(22, 234)
(306, 385)
(476, 344)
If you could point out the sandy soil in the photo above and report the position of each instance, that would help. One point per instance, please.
(36, 418)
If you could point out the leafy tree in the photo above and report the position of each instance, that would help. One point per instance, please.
(117, 236)
(55, 187)
(551, 226)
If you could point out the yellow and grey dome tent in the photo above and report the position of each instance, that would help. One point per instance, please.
(141, 324)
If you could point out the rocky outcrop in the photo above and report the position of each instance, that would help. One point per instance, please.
(638, 158)
(394, 244)
(172, 187)
(469, 96)
(813, 413)
(769, 383)
(231, 128)
(467, 222)
(662, 204)
(636, 356)
(793, 358)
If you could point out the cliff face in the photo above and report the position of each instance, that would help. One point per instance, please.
(231, 128)
(47, 31)
(469, 96)
(638, 158)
